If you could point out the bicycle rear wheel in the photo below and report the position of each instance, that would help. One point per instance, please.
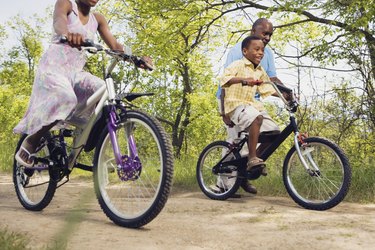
(326, 183)
(34, 186)
(133, 193)
(222, 185)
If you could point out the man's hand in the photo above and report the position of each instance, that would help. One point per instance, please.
(288, 96)
(276, 80)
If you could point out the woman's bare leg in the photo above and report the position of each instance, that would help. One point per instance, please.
(32, 141)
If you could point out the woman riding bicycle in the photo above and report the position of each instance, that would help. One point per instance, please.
(61, 87)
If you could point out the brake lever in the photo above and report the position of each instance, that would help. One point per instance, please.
(87, 44)
(139, 62)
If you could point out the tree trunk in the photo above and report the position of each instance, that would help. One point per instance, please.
(369, 84)
(183, 116)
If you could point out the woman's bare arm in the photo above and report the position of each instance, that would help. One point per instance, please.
(106, 34)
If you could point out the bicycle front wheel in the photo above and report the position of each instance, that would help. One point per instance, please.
(34, 186)
(134, 192)
(224, 183)
(327, 181)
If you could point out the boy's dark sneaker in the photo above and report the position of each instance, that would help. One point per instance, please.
(248, 187)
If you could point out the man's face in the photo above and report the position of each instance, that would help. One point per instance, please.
(264, 31)
(254, 51)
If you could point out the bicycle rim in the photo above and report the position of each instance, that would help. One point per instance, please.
(33, 186)
(320, 189)
(216, 186)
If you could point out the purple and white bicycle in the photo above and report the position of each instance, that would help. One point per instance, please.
(133, 161)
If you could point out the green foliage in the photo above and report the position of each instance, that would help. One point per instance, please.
(174, 34)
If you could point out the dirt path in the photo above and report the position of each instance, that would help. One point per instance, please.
(190, 221)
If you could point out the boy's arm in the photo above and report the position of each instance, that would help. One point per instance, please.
(244, 81)
(267, 89)
(230, 76)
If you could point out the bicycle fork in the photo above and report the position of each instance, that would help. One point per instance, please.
(128, 166)
(298, 140)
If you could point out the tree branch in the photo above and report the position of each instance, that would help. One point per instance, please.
(312, 17)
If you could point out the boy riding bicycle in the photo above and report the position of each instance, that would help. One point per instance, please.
(240, 81)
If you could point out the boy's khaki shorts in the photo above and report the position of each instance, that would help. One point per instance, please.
(244, 115)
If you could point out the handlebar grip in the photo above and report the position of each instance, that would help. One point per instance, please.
(86, 43)
(283, 88)
(63, 39)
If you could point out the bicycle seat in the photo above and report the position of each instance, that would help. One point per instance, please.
(266, 136)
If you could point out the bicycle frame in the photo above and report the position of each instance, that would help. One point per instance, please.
(104, 96)
(276, 140)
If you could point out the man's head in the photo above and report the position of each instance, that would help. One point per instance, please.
(263, 29)
(253, 49)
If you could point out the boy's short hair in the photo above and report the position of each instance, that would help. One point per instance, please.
(246, 42)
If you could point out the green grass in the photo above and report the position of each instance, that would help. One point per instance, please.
(362, 188)
(184, 174)
(12, 241)
(6, 156)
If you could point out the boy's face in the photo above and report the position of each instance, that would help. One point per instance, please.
(254, 51)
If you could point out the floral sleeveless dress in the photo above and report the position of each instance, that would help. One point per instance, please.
(61, 87)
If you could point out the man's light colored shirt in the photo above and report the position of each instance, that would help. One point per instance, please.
(267, 62)
(236, 94)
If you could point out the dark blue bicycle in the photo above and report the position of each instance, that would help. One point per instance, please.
(316, 172)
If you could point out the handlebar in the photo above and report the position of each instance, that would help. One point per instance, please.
(292, 104)
(92, 47)
(256, 82)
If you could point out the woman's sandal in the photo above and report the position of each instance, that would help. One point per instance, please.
(255, 162)
(29, 157)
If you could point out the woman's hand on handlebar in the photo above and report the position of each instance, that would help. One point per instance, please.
(74, 39)
(146, 63)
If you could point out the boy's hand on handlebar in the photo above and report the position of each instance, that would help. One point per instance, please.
(251, 82)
